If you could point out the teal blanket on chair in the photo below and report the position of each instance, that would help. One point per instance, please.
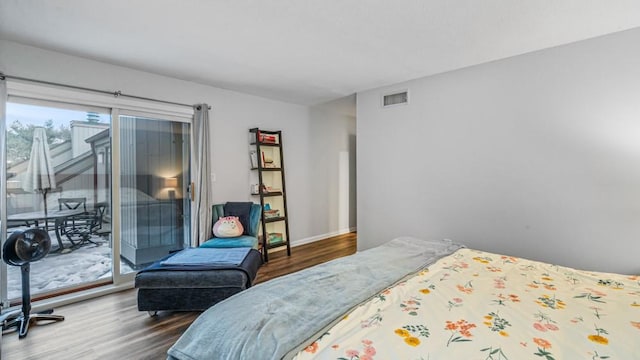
(272, 319)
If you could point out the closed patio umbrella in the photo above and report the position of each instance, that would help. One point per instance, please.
(40, 176)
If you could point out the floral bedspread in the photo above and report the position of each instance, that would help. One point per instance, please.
(478, 305)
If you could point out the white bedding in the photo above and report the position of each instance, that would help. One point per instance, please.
(478, 305)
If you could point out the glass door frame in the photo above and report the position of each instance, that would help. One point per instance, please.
(118, 277)
(118, 106)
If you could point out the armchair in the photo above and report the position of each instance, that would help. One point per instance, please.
(248, 240)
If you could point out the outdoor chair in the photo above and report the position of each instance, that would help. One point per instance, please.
(79, 203)
(79, 228)
(72, 203)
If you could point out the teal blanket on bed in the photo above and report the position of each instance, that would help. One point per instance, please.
(271, 319)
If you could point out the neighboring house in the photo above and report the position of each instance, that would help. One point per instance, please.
(73, 163)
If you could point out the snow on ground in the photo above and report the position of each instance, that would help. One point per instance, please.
(85, 263)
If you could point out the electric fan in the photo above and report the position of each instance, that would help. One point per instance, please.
(21, 249)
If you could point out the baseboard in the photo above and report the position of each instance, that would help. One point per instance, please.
(312, 239)
(77, 296)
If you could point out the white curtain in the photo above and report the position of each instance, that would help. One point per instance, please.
(3, 153)
(3, 182)
(201, 172)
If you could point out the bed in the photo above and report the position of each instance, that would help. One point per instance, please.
(419, 299)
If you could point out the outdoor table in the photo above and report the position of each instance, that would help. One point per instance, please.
(36, 216)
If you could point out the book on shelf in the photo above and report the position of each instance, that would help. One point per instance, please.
(268, 189)
(275, 238)
(263, 138)
(270, 214)
(268, 138)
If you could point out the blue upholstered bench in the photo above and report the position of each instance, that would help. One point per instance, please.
(193, 288)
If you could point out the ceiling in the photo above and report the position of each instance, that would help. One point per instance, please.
(305, 51)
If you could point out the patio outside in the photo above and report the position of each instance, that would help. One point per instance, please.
(87, 262)
(153, 167)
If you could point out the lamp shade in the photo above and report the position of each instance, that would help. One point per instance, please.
(171, 182)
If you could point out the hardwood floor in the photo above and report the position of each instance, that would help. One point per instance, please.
(111, 327)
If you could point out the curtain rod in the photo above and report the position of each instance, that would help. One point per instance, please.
(116, 93)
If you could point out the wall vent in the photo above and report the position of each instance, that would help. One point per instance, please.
(397, 98)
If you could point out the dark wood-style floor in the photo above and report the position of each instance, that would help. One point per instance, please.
(111, 327)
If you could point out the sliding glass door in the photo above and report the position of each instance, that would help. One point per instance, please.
(115, 197)
(58, 180)
(154, 175)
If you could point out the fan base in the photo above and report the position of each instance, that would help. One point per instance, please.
(21, 322)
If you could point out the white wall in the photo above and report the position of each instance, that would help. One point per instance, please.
(333, 165)
(232, 115)
(536, 156)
